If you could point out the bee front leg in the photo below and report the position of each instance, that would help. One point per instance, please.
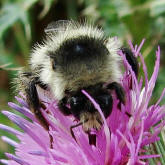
(34, 103)
(27, 83)
(132, 60)
(119, 91)
(120, 94)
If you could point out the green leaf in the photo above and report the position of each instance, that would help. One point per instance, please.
(157, 7)
(12, 12)
(9, 14)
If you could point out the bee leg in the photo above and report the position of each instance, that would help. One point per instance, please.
(119, 91)
(43, 86)
(34, 103)
(120, 94)
(63, 107)
(27, 82)
(74, 126)
(132, 60)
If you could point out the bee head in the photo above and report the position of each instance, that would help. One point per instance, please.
(84, 110)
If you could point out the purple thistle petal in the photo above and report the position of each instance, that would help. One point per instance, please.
(131, 46)
(3, 161)
(139, 48)
(18, 160)
(154, 75)
(26, 126)
(38, 153)
(145, 71)
(149, 156)
(22, 101)
(127, 143)
(161, 97)
(23, 110)
(140, 138)
(58, 156)
(9, 141)
(10, 130)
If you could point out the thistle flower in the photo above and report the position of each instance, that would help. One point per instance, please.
(121, 140)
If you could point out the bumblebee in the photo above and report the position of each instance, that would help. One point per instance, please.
(76, 56)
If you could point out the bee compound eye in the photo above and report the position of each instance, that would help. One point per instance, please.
(76, 104)
(74, 101)
(105, 101)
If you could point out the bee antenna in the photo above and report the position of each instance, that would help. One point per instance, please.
(74, 126)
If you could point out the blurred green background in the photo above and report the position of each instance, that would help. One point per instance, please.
(22, 24)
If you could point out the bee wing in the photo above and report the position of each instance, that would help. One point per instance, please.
(57, 26)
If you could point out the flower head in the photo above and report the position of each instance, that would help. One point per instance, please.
(120, 141)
